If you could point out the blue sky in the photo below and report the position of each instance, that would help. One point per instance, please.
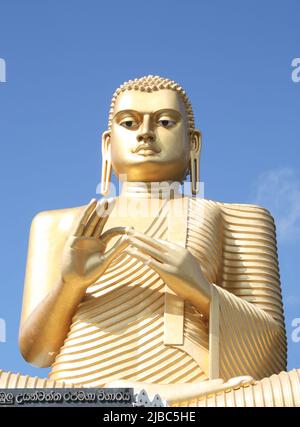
(65, 58)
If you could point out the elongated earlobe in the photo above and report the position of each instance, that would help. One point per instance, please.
(196, 143)
(106, 164)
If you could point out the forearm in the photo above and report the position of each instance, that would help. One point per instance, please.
(199, 296)
(44, 331)
(250, 340)
(196, 290)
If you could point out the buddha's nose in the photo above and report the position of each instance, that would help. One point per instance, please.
(146, 132)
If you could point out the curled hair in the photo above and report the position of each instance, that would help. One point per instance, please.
(150, 84)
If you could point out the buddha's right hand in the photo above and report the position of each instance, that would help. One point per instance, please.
(84, 256)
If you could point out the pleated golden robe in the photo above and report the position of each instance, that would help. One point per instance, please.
(119, 329)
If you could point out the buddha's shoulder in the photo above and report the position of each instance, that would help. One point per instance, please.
(64, 219)
(226, 210)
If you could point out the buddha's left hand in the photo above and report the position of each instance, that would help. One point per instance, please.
(178, 268)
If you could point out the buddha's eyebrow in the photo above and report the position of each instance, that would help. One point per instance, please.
(155, 113)
(168, 111)
(123, 112)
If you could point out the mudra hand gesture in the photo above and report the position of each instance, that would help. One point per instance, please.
(84, 256)
(85, 259)
(175, 264)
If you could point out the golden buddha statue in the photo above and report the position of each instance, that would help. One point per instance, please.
(153, 289)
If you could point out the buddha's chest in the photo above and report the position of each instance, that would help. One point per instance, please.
(156, 218)
(193, 223)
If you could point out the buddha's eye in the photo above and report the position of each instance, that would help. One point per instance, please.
(166, 123)
(129, 124)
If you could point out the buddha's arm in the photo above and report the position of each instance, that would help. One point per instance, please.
(251, 335)
(48, 304)
(44, 331)
(66, 255)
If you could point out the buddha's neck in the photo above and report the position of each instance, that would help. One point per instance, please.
(151, 190)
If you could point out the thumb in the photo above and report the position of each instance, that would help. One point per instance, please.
(113, 232)
(117, 248)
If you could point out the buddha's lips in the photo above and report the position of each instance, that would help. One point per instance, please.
(147, 147)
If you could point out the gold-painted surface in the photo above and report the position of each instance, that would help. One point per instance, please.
(11, 380)
(278, 390)
(252, 332)
(281, 390)
(243, 347)
(173, 304)
(96, 308)
(118, 330)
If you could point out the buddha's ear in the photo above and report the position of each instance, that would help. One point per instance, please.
(106, 144)
(195, 147)
(106, 163)
(196, 142)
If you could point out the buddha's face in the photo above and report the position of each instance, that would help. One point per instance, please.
(149, 138)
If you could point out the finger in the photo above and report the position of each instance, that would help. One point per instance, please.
(112, 232)
(103, 213)
(100, 225)
(156, 243)
(148, 250)
(145, 259)
(105, 208)
(168, 244)
(95, 217)
(118, 247)
(84, 217)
